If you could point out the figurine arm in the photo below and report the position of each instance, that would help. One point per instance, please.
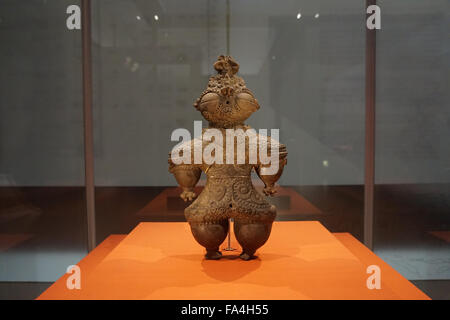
(268, 176)
(187, 177)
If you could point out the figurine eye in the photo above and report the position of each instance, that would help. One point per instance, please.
(247, 101)
(210, 97)
(209, 100)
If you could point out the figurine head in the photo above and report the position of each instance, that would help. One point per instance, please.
(226, 102)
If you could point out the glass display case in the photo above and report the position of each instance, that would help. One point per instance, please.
(308, 64)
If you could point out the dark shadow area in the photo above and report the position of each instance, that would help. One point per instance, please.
(412, 229)
(435, 289)
(22, 290)
(42, 218)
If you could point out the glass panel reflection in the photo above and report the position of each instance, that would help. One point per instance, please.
(42, 206)
(307, 73)
(412, 194)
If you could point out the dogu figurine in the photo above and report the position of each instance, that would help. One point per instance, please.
(229, 193)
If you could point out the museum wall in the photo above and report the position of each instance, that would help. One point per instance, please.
(317, 100)
(41, 119)
(412, 99)
(42, 203)
(412, 157)
(307, 74)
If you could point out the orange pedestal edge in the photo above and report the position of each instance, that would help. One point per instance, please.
(301, 260)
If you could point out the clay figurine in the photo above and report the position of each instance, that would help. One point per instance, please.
(229, 193)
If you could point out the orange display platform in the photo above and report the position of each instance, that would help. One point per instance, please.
(301, 260)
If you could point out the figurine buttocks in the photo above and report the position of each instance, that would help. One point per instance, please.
(229, 192)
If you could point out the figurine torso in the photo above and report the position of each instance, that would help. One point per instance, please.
(228, 193)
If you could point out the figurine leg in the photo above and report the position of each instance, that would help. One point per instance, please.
(210, 236)
(251, 236)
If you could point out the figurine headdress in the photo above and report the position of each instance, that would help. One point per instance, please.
(225, 82)
(226, 65)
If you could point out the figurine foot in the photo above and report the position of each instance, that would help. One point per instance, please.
(213, 255)
(251, 236)
(246, 256)
(211, 237)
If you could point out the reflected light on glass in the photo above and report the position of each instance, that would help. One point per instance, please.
(299, 15)
(156, 17)
(134, 67)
